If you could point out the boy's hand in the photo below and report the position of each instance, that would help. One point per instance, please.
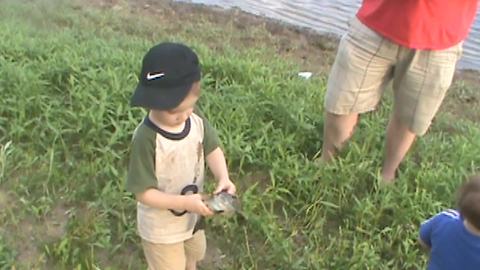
(195, 204)
(225, 185)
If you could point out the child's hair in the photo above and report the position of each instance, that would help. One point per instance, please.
(469, 200)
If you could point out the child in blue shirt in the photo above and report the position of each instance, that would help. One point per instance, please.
(453, 237)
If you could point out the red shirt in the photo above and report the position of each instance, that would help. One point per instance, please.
(420, 24)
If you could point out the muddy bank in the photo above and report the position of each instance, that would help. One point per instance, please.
(305, 45)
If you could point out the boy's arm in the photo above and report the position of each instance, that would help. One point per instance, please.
(428, 226)
(425, 233)
(158, 199)
(217, 164)
(214, 156)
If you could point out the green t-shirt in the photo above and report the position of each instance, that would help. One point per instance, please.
(141, 170)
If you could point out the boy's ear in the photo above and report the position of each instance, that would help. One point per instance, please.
(196, 89)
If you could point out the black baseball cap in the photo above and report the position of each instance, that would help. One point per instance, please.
(168, 72)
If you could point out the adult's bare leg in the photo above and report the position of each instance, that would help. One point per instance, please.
(336, 131)
(191, 265)
(399, 140)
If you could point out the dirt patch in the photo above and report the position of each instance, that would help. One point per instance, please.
(35, 233)
(26, 240)
(3, 200)
(5, 206)
(463, 98)
(470, 77)
(55, 223)
(28, 236)
(214, 257)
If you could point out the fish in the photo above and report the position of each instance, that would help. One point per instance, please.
(224, 203)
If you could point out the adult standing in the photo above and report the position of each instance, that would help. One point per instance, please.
(413, 43)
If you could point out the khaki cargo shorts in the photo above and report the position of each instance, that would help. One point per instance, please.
(175, 256)
(366, 62)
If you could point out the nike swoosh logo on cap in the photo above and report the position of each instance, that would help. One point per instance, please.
(153, 76)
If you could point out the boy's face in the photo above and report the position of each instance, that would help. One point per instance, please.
(180, 114)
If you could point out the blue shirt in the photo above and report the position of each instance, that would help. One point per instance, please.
(453, 246)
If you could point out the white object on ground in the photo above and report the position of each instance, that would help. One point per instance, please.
(305, 75)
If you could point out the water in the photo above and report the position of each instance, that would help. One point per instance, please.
(331, 16)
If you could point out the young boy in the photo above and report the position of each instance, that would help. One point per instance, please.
(166, 167)
(454, 237)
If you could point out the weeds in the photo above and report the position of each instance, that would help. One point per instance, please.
(7, 256)
(65, 128)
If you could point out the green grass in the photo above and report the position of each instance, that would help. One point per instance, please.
(66, 77)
